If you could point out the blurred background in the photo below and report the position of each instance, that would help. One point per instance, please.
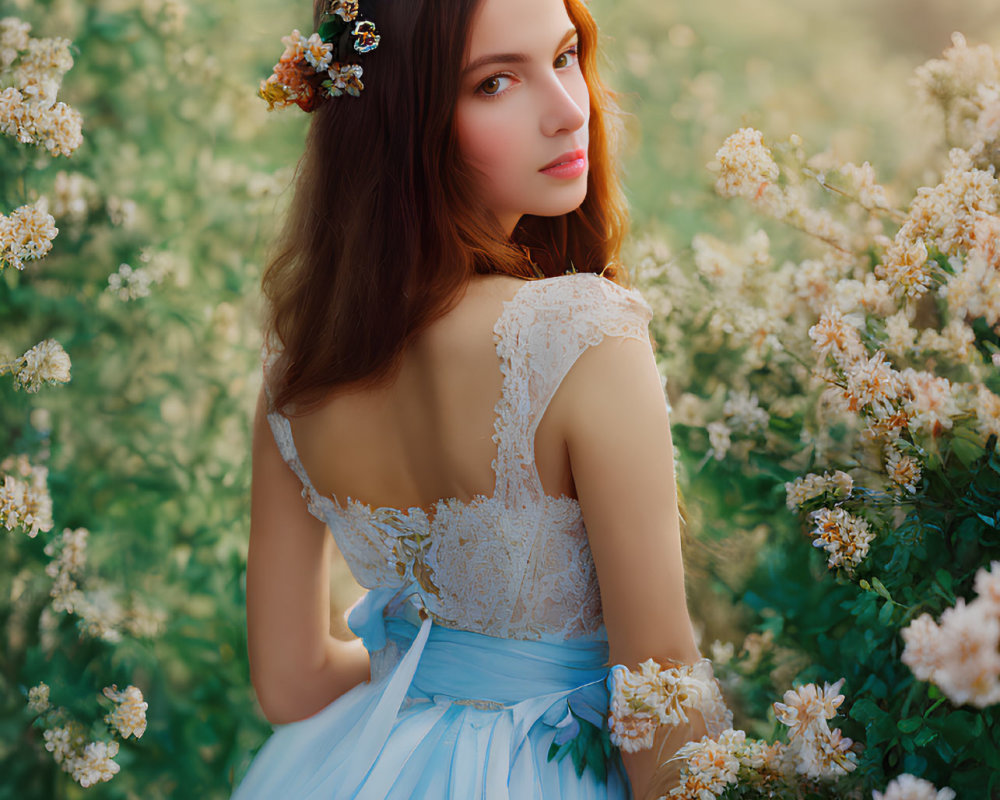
(165, 212)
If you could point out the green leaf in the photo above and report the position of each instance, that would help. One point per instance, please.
(885, 614)
(879, 587)
(967, 451)
(332, 27)
(910, 724)
(924, 736)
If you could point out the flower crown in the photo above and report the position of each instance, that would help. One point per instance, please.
(310, 70)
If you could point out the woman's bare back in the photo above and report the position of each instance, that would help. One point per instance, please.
(428, 434)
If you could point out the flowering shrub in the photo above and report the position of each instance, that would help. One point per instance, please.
(124, 391)
(857, 385)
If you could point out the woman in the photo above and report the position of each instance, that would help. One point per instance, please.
(458, 166)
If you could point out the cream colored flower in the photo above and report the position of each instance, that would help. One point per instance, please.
(96, 764)
(872, 385)
(719, 439)
(900, 336)
(931, 404)
(745, 165)
(844, 536)
(69, 557)
(58, 741)
(25, 501)
(13, 39)
(129, 716)
(709, 768)
(909, 787)
(903, 470)
(988, 587)
(801, 490)
(906, 268)
(836, 335)
(26, 234)
(870, 193)
(922, 652)
(970, 673)
(805, 707)
(46, 362)
(38, 698)
(988, 411)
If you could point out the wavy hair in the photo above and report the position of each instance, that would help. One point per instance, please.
(385, 227)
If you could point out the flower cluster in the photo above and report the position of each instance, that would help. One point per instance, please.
(26, 234)
(46, 362)
(312, 69)
(24, 496)
(746, 168)
(802, 490)
(843, 535)
(29, 110)
(818, 751)
(69, 557)
(129, 716)
(814, 751)
(909, 787)
(966, 83)
(712, 765)
(73, 195)
(961, 653)
(88, 762)
(643, 700)
(38, 698)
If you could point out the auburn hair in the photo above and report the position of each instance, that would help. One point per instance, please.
(385, 227)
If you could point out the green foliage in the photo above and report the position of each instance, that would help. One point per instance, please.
(590, 748)
(148, 446)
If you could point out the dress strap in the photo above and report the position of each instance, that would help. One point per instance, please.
(541, 333)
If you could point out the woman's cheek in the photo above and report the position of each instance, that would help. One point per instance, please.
(488, 142)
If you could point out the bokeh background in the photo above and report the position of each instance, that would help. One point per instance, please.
(165, 212)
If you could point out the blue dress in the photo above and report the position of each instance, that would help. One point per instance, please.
(489, 656)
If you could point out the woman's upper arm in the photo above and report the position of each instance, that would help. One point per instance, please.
(618, 436)
(288, 611)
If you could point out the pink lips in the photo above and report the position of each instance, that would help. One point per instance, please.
(568, 165)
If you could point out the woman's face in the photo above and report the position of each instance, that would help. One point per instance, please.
(523, 106)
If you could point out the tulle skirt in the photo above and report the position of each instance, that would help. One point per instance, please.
(447, 714)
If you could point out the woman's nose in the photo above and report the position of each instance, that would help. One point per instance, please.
(566, 105)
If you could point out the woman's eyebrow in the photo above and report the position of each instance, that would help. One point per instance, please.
(510, 58)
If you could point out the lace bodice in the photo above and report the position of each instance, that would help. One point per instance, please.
(515, 564)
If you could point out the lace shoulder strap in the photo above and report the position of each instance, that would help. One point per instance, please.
(541, 333)
(282, 430)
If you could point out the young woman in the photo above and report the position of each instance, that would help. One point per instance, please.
(460, 389)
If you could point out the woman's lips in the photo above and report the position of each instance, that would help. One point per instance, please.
(569, 165)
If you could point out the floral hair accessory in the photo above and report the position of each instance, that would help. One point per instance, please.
(643, 700)
(312, 69)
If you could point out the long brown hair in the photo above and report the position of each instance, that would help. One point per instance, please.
(385, 227)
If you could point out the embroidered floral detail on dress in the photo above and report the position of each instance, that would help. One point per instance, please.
(410, 550)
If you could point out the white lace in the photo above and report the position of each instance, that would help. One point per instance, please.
(515, 564)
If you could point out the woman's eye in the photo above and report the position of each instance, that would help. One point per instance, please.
(572, 53)
(491, 86)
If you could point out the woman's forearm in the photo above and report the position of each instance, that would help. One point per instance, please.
(307, 692)
(651, 772)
